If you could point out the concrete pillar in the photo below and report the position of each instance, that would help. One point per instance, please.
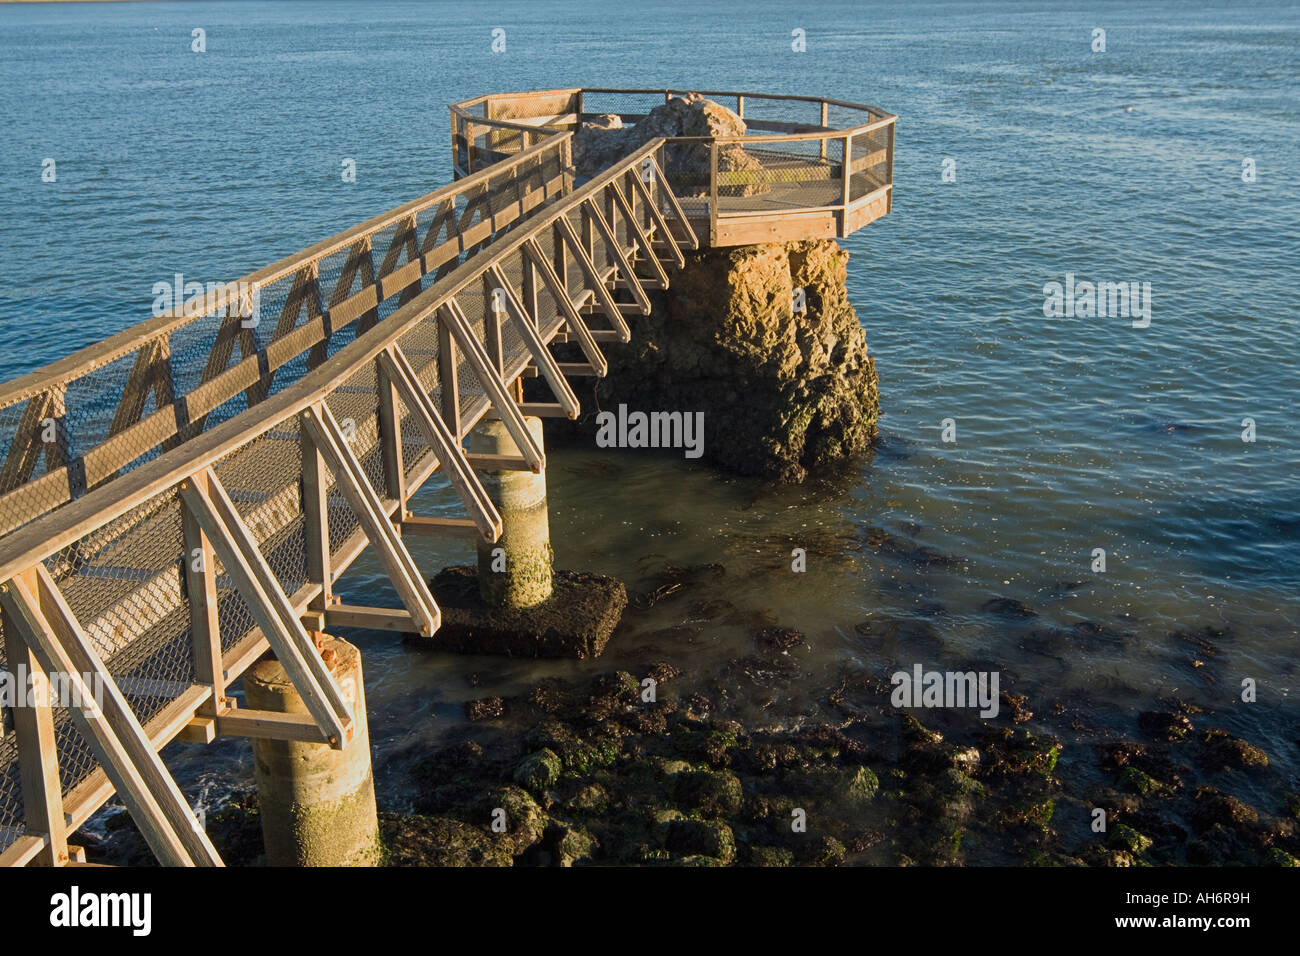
(522, 576)
(318, 804)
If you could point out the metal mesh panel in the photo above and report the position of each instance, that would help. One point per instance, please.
(780, 175)
(11, 792)
(263, 479)
(124, 585)
(103, 402)
(77, 760)
(870, 162)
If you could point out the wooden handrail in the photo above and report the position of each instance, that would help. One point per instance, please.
(131, 339)
(56, 530)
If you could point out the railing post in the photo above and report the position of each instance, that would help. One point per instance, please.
(889, 173)
(825, 115)
(315, 518)
(493, 343)
(38, 758)
(205, 628)
(848, 179)
(448, 379)
(740, 106)
(455, 148)
(713, 192)
(390, 434)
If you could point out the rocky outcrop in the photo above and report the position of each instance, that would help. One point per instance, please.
(782, 391)
(603, 140)
(785, 387)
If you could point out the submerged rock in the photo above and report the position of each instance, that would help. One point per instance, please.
(441, 841)
(1224, 750)
(576, 621)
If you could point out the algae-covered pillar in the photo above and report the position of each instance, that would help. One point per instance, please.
(516, 571)
(317, 803)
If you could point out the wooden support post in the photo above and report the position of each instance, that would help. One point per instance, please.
(448, 379)
(713, 192)
(390, 433)
(848, 178)
(492, 318)
(38, 758)
(200, 563)
(315, 520)
(528, 293)
(889, 174)
(822, 143)
(561, 266)
(588, 237)
(455, 146)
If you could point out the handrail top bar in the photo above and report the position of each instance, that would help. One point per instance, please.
(799, 98)
(130, 339)
(56, 530)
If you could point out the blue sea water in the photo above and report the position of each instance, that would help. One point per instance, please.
(1072, 434)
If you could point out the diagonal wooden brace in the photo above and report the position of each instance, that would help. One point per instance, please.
(606, 230)
(594, 281)
(661, 224)
(692, 240)
(129, 760)
(323, 429)
(639, 234)
(235, 545)
(445, 446)
(495, 386)
(586, 340)
(524, 323)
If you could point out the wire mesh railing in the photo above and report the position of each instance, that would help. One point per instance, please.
(311, 475)
(72, 426)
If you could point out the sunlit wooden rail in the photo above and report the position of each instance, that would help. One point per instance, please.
(182, 498)
(807, 168)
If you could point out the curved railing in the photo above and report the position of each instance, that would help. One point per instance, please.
(807, 167)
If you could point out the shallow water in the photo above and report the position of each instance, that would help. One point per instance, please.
(1071, 433)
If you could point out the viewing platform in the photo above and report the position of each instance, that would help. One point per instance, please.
(783, 181)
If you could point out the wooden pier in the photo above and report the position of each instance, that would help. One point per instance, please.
(182, 497)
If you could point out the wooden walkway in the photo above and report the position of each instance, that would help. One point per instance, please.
(181, 498)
